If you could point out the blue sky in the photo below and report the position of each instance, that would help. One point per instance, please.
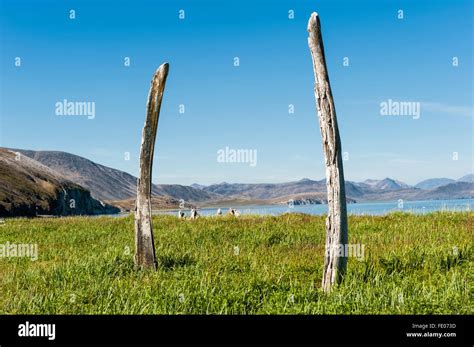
(244, 107)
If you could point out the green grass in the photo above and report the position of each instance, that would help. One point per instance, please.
(85, 266)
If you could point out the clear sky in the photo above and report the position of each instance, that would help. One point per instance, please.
(246, 106)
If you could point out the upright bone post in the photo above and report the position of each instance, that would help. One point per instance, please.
(144, 245)
(335, 263)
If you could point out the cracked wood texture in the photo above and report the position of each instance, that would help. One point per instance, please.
(144, 244)
(336, 222)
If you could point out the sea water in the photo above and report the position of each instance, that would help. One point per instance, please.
(364, 208)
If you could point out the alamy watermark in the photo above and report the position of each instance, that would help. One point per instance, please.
(12, 250)
(229, 155)
(37, 330)
(75, 108)
(346, 250)
(400, 108)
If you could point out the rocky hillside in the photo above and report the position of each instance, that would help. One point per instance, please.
(106, 183)
(28, 188)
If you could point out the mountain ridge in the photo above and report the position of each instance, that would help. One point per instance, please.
(115, 186)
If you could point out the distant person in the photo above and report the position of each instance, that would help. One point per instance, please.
(181, 214)
(194, 214)
(234, 212)
(219, 212)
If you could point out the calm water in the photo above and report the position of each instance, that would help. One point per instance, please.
(368, 208)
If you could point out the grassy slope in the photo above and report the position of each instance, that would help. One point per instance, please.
(86, 266)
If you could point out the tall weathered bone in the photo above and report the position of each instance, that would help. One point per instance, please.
(335, 264)
(144, 243)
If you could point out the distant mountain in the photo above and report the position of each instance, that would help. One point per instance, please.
(119, 188)
(387, 184)
(433, 183)
(456, 190)
(28, 188)
(262, 191)
(467, 178)
(185, 193)
(387, 189)
(281, 191)
(358, 190)
(104, 182)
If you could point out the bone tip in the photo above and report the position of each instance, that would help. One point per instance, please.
(163, 68)
(313, 20)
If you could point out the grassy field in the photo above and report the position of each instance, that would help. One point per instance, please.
(250, 265)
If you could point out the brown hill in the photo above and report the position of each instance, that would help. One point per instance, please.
(28, 188)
